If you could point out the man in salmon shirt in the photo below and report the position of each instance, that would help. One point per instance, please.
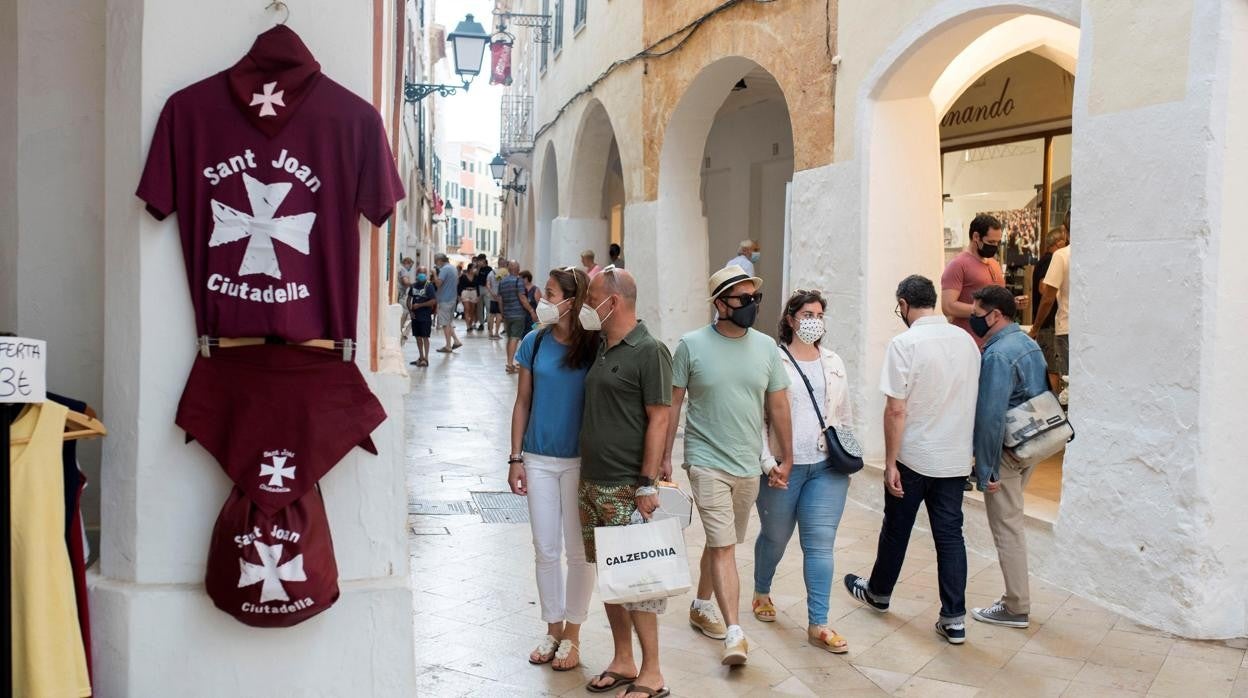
(974, 268)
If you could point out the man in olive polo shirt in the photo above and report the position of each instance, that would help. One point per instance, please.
(628, 396)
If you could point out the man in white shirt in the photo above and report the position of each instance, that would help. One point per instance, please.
(931, 381)
(1056, 287)
(748, 254)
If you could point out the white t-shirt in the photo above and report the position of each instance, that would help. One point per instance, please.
(806, 429)
(934, 367)
(743, 262)
(1058, 277)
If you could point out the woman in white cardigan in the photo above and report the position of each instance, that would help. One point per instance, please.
(814, 497)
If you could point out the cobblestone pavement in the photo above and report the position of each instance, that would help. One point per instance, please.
(477, 615)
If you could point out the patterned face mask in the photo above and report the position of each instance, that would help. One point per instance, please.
(810, 330)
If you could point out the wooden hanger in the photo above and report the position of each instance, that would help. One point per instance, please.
(207, 344)
(77, 426)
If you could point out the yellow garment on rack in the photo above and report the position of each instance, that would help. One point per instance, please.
(48, 656)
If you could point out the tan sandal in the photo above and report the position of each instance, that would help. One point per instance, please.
(566, 648)
(762, 608)
(830, 640)
(545, 651)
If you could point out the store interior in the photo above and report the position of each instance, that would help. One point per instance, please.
(1006, 150)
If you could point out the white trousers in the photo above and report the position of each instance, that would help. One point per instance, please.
(555, 519)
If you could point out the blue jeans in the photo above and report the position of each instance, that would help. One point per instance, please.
(943, 498)
(814, 503)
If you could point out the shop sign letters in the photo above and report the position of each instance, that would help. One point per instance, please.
(23, 370)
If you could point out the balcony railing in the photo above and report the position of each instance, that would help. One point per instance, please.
(516, 124)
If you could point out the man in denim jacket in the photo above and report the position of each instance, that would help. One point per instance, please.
(1012, 372)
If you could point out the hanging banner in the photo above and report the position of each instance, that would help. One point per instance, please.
(500, 70)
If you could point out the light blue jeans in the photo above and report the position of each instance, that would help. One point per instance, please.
(814, 503)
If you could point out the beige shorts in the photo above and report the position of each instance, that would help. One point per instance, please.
(724, 504)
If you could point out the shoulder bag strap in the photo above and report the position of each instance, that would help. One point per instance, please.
(810, 390)
(537, 345)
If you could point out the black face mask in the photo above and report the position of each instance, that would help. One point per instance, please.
(979, 325)
(986, 250)
(744, 316)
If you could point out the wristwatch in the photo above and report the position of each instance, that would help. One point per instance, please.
(643, 481)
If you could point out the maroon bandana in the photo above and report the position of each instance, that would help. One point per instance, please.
(272, 80)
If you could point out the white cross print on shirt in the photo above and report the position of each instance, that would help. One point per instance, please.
(277, 471)
(230, 224)
(268, 99)
(269, 573)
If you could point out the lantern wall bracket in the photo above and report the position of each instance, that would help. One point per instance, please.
(539, 22)
(415, 91)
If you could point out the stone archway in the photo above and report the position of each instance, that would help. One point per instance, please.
(899, 140)
(596, 190)
(706, 178)
(546, 210)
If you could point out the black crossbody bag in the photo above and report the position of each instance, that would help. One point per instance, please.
(844, 453)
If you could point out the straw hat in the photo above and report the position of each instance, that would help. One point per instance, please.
(728, 277)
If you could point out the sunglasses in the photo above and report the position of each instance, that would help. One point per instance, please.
(745, 299)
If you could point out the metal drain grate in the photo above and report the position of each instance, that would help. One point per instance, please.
(429, 530)
(505, 515)
(436, 507)
(501, 507)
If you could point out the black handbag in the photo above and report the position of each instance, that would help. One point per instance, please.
(844, 452)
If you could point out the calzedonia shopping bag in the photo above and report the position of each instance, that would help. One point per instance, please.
(641, 562)
(272, 570)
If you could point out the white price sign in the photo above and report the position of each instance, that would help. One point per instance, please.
(23, 370)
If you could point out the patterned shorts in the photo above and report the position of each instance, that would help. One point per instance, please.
(610, 505)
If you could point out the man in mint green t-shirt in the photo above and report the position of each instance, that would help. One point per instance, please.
(732, 375)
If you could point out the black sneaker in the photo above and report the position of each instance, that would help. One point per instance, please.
(857, 588)
(955, 633)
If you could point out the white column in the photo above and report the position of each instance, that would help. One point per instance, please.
(155, 631)
(572, 236)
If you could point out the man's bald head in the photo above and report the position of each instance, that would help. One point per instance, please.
(616, 282)
(513, 266)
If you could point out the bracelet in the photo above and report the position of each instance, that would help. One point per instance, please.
(512, 460)
(647, 491)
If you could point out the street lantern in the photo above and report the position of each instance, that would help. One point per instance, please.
(468, 47)
(498, 169)
(468, 44)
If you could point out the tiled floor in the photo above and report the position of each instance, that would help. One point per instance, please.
(477, 616)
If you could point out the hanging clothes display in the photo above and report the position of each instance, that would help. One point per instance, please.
(75, 483)
(48, 654)
(269, 166)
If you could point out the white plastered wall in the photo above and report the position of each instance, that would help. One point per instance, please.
(161, 495)
(1151, 517)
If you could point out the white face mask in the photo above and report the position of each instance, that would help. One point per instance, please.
(589, 317)
(810, 330)
(548, 313)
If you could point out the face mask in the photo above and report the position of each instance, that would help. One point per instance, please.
(742, 317)
(589, 317)
(986, 250)
(422, 277)
(979, 325)
(755, 256)
(548, 313)
(810, 330)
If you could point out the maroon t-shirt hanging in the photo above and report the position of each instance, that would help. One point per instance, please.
(268, 193)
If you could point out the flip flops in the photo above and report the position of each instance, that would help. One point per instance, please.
(650, 692)
(617, 680)
(545, 651)
(566, 648)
